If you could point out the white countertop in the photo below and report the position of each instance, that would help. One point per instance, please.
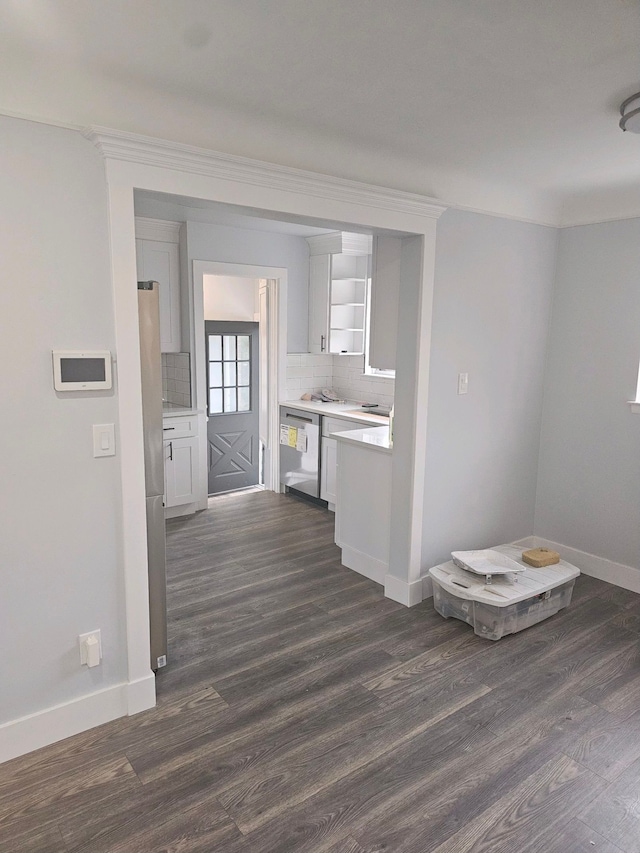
(376, 438)
(344, 410)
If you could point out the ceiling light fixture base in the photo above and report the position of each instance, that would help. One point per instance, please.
(630, 112)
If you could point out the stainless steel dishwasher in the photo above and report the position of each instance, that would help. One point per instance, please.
(300, 451)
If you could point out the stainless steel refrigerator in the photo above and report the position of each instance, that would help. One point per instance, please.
(151, 364)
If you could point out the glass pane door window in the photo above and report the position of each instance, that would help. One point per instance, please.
(229, 372)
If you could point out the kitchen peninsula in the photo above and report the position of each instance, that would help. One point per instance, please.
(363, 504)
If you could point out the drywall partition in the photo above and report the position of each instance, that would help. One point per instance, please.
(589, 474)
(61, 563)
(260, 248)
(233, 245)
(492, 303)
(417, 256)
(228, 297)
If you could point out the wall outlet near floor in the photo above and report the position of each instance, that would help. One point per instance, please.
(463, 383)
(90, 648)
(162, 661)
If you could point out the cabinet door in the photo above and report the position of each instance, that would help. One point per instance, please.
(329, 469)
(181, 471)
(159, 261)
(319, 273)
(385, 295)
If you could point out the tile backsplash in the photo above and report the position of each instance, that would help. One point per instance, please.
(351, 382)
(176, 378)
(343, 373)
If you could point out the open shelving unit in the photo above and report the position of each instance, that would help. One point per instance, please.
(348, 303)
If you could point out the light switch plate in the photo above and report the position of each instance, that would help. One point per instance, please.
(463, 383)
(104, 440)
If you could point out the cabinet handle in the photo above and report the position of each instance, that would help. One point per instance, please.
(171, 451)
(321, 343)
(167, 429)
(298, 418)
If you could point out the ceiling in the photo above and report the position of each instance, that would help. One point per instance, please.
(509, 106)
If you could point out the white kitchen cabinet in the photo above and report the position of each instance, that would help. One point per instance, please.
(385, 296)
(348, 303)
(339, 269)
(180, 471)
(181, 463)
(329, 457)
(319, 278)
(329, 470)
(363, 506)
(159, 260)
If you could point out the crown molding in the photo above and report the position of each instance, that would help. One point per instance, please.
(133, 148)
(121, 145)
(340, 242)
(578, 223)
(157, 229)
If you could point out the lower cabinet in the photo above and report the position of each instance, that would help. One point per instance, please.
(363, 508)
(180, 471)
(328, 470)
(329, 456)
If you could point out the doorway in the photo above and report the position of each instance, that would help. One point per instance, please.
(254, 294)
(233, 442)
(158, 166)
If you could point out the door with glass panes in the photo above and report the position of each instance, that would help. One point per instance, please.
(233, 452)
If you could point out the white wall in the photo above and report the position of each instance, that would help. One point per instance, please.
(492, 302)
(260, 248)
(227, 244)
(61, 508)
(589, 477)
(228, 297)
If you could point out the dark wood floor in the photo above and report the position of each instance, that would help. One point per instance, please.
(303, 711)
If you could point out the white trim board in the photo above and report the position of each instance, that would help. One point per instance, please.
(157, 229)
(363, 564)
(276, 283)
(147, 150)
(589, 564)
(70, 718)
(409, 594)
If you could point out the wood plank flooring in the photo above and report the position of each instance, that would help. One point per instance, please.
(302, 712)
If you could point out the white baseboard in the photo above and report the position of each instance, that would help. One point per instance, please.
(141, 694)
(365, 565)
(405, 593)
(589, 564)
(25, 734)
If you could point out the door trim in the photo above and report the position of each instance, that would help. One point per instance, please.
(275, 336)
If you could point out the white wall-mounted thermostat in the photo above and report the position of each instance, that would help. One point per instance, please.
(77, 370)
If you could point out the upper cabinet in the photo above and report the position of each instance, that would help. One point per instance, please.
(385, 296)
(158, 259)
(339, 270)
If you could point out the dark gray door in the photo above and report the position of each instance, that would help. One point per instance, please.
(232, 405)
